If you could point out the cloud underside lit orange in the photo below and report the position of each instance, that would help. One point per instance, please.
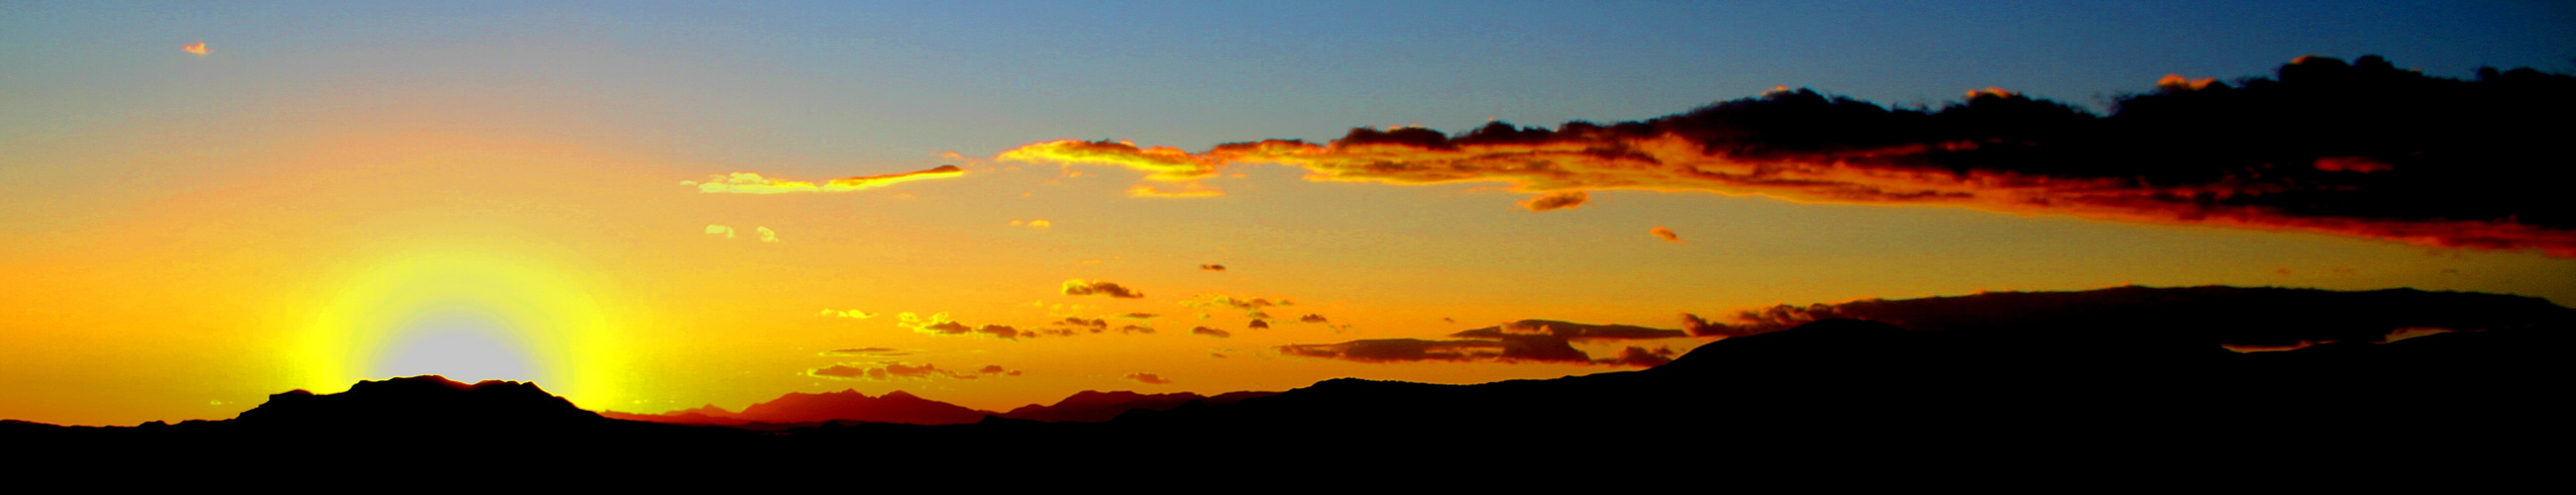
(2349, 172)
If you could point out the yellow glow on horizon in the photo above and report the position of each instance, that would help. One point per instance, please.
(469, 316)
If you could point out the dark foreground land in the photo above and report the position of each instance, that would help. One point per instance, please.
(2115, 400)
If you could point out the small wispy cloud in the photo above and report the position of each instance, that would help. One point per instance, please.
(754, 183)
(198, 48)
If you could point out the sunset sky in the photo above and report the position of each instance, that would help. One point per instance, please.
(655, 206)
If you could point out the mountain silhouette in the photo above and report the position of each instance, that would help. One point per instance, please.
(1824, 398)
(1095, 406)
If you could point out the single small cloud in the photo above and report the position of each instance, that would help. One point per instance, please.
(198, 48)
(847, 313)
(1035, 223)
(1080, 287)
(1212, 268)
(1211, 332)
(1311, 318)
(1148, 378)
(720, 229)
(1139, 316)
(1557, 201)
(997, 370)
(1665, 234)
(1260, 325)
(767, 235)
(1135, 329)
(753, 183)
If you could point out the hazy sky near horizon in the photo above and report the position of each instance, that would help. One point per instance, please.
(341, 191)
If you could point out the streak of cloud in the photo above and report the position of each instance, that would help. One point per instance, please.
(1211, 332)
(1562, 200)
(1212, 267)
(1148, 379)
(1665, 234)
(2360, 149)
(754, 183)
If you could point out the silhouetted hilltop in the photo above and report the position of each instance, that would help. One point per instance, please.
(426, 399)
(1094, 406)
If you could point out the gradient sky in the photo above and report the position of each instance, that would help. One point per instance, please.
(339, 191)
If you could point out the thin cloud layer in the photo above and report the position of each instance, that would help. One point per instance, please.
(1521, 341)
(888, 371)
(1148, 378)
(754, 183)
(1211, 332)
(2360, 149)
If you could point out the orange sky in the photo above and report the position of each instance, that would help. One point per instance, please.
(227, 222)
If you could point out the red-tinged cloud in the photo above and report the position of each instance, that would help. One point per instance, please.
(754, 183)
(1562, 200)
(197, 48)
(1148, 378)
(2360, 149)
(1639, 357)
(1259, 325)
(1665, 234)
(1080, 287)
(1139, 316)
(1311, 318)
(2197, 316)
(1136, 329)
(1211, 332)
(1212, 268)
(997, 370)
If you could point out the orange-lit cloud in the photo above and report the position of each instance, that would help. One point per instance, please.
(1034, 223)
(753, 183)
(1148, 378)
(1211, 332)
(864, 351)
(198, 48)
(2361, 149)
(1080, 287)
(997, 370)
(1311, 318)
(887, 371)
(847, 313)
(713, 229)
(1212, 268)
(767, 235)
(1564, 200)
(940, 324)
(1665, 234)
